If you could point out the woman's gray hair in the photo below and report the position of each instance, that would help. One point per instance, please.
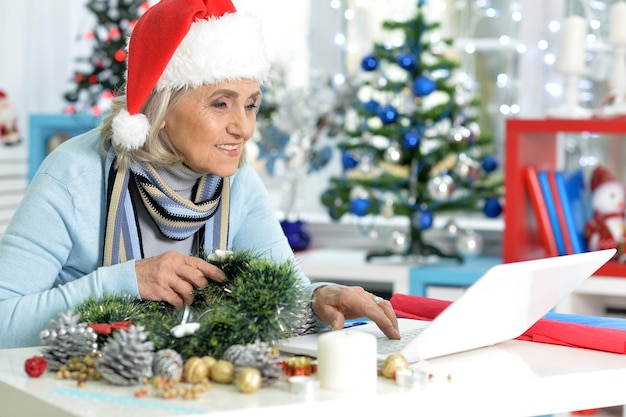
(158, 149)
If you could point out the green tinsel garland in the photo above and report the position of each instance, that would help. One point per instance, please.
(259, 300)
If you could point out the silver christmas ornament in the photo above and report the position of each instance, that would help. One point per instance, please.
(467, 168)
(451, 230)
(440, 188)
(474, 128)
(392, 154)
(399, 242)
(459, 134)
(470, 244)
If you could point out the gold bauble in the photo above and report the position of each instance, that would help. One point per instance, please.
(195, 370)
(394, 363)
(249, 380)
(209, 361)
(222, 372)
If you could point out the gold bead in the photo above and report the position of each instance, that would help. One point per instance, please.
(209, 361)
(195, 370)
(394, 363)
(223, 372)
(249, 380)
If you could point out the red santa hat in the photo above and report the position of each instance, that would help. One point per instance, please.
(601, 175)
(186, 43)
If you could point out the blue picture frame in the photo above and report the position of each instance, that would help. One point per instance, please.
(42, 127)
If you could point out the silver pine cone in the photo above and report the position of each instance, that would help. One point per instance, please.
(168, 363)
(67, 338)
(259, 355)
(127, 357)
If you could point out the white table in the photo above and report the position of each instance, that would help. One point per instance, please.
(513, 378)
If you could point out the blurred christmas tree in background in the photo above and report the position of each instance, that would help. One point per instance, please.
(297, 126)
(99, 76)
(414, 145)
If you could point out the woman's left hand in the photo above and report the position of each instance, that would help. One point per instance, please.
(333, 304)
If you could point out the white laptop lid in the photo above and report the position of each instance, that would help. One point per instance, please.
(505, 302)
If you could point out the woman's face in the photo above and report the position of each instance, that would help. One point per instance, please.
(210, 125)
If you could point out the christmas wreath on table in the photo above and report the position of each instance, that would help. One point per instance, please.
(260, 300)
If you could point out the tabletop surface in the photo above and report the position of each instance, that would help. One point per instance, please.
(513, 378)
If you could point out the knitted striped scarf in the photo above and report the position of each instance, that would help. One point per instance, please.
(177, 218)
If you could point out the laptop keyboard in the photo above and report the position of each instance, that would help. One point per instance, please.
(388, 346)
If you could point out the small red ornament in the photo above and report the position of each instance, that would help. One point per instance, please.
(120, 55)
(121, 325)
(106, 328)
(35, 366)
(107, 95)
(101, 328)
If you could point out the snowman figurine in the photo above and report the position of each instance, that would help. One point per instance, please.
(607, 228)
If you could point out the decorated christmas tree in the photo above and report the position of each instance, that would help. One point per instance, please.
(414, 146)
(99, 76)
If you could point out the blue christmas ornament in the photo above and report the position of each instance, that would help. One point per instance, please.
(423, 86)
(388, 114)
(411, 140)
(490, 163)
(406, 61)
(359, 206)
(348, 161)
(371, 106)
(369, 63)
(297, 234)
(492, 207)
(423, 219)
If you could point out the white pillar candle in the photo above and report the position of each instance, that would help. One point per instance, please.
(618, 22)
(346, 361)
(574, 40)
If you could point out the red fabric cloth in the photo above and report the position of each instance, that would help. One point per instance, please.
(544, 331)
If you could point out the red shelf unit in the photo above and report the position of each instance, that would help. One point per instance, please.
(535, 142)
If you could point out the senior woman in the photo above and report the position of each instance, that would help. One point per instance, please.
(129, 207)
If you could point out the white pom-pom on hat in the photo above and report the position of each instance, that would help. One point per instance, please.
(130, 131)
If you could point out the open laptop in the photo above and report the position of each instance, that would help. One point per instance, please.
(501, 305)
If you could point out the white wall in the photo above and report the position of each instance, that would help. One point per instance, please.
(38, 48)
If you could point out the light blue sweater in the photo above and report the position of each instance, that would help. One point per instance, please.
(51, 254)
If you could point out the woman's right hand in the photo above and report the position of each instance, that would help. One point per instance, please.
(172, 277)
